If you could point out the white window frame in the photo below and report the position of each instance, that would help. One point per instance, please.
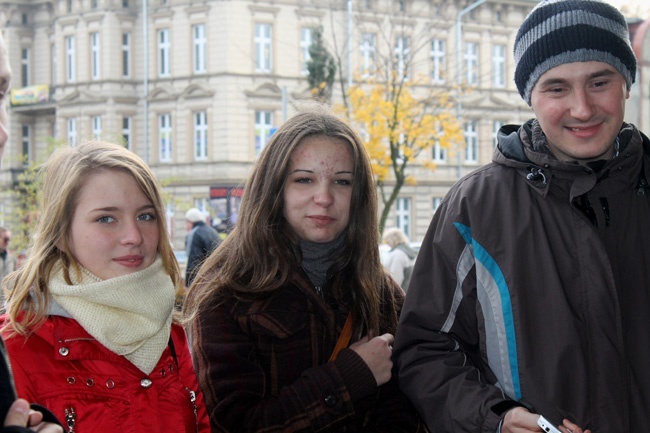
(263, 41)
(368, 48)
(95, 56)
(402, 55)
(96, 122)
(199, 43)
(435, 204)
(439, 153)
(72, 131)
(24, 66)
(403, 214)
(165, 137)
(438, 60)
(126, 55)
(200, 136)
(499, 65)
(496, 125)
(53, 64)
(306, 34)
(26, 140)
(164, 49)
(471, 63)
(471, 141)
(263, 127)
(70, 62)
(127, 125)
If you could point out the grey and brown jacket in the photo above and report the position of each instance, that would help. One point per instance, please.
(532, 287)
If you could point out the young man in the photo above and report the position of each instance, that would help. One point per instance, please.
(531, 291)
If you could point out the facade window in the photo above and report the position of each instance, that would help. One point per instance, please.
(164, 46)
(263, 126)
(305, 43)
(125, 3)
(24, 19)
(93, 4)
(471, 142)
(126, 131)
(24, 67)
(94, 56)
(70, 62)
(368, 48)
(72, 131)
(53, 63)
(199, 43)
(26, 140)
(403, 214)
(68, 6)
(402, 55)
(165, 137)
(439, 153)
(499, 65)
(97, 127)
(471, 62)
(263, 48)
(126, 55)
(200, 135)
(438, 48)
(496, 125)
(436, 204)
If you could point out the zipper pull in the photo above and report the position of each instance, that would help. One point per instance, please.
(70, 418)
(194, 408)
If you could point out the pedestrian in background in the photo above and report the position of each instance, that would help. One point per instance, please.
(530, 293)
(401, 257)
(291, 318)
(7, 261)
(89, 330)
(19, 417)
(200, 241)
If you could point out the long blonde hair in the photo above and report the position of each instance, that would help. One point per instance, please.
(258, 256)
(63, 175)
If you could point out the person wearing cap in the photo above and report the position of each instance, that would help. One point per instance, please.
(530, 294)
(201, 240)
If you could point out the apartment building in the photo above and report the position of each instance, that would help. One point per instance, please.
(196, 87)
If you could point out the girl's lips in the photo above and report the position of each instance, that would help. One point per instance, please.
(130, 261)
(321, 219)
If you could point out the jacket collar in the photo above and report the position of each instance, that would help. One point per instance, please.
(541, 169)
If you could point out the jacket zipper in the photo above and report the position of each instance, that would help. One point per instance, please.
(70, 418)
(194, 408)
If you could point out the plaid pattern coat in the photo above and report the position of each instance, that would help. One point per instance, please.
(263, 367)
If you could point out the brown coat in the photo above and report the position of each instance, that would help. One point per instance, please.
(263, 366)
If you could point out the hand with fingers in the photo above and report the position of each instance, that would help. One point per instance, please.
(20, 418)
(376, 353)
(520, 420)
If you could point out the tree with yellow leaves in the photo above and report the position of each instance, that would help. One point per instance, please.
(398, 127)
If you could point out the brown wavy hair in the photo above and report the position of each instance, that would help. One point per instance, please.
(259, 256)
(63, 175)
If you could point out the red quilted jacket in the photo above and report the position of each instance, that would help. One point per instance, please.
(94, 390)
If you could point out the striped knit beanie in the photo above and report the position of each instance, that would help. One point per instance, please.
(565, 31)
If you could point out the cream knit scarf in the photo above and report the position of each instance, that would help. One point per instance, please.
(131, 315)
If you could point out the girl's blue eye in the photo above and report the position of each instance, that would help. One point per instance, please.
(147, 217)
(105, 219)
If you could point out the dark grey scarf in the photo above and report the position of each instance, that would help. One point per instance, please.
(317, 258)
